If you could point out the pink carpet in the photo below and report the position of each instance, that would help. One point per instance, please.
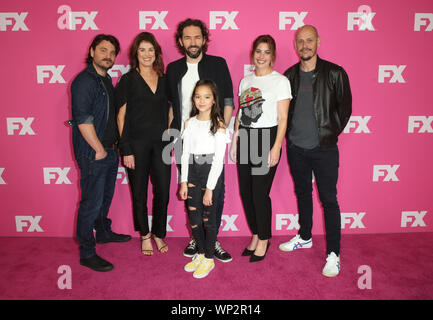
(401, 268)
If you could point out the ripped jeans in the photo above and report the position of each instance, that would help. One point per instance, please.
(201, 217)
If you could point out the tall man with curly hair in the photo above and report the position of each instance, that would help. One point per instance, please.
(192, 38)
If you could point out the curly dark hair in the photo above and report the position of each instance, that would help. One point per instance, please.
(97, 40)
(187, 23)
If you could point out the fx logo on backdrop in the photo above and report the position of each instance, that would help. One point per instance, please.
(146, 17)
(23, 221)
(54, 73)
(291, 18)
(59, 174)
(122, 175)
(168, 227)
(22, 124)
(216, 17)
(229, 224)
(70, 19)
(289, 220)
(353, 219)
(2, 181)
(415, 218)
(423, 121)
(362, 19)
(386, 171)
(395, 72)
(14, 19)
(421, 20)
(118, 70)
(358, 123)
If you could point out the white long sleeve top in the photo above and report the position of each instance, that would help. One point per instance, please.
(198, 140)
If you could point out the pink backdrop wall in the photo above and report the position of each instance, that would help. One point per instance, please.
(385, 153)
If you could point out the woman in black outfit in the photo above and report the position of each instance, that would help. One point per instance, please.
(142, 118)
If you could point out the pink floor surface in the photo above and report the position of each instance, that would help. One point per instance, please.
(397, 266)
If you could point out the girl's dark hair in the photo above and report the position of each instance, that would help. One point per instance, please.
(215, 114)
(97, 40)
(187, 23)
(158, 64)
(265, 38)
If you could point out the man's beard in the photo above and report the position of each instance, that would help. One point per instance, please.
(100, 65)
(193, 55)
(307, 57)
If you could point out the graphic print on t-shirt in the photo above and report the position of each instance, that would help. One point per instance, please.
(251, 104)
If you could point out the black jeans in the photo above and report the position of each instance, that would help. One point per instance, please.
(97, 184)
(220, 200)
(324, 163)
(149, 162)
(255, 185)
(202, 218)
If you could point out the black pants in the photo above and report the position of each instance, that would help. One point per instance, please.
(324, 163)
(202, 218)
(255, 178)
(148, 161)
(220, 200)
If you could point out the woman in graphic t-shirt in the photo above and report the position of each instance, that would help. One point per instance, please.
(262, 119)
(143, 116)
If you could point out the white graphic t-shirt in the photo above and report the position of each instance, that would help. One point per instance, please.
(259, 97)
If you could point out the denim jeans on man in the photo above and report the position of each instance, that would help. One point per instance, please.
(97, 181)
(324, 163)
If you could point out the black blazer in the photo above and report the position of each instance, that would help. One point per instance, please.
(209, 67)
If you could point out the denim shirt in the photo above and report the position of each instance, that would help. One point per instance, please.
(90, 105)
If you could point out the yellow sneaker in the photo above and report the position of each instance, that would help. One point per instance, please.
(205, 266)
(192, 266)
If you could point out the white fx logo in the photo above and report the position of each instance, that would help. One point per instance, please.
(2, 181)
(363, 19)
(168, 227)
(229, 222)
(421, 20)
(282, 219)
(346, 218)
(145, 17)
(70, 19)
(294, 18)
(215, 17)
(22, 221)
(386, 70)
(425, 122)
(8, 18)
(358, 123)
(118, 70)
(121, 175)
(388, 171)
(43, 72)
(23, 124)
(52, 173)
(414, 217)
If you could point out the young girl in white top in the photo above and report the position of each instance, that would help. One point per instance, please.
(204, 146)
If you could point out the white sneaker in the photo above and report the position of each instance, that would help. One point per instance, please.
(193, 265)
(206, 266)
(332, 266)
(296, 243)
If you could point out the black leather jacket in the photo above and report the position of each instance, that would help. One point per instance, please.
(332, 99)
